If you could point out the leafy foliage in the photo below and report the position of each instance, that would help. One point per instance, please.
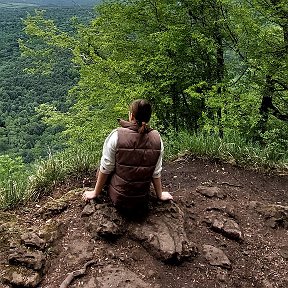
(214, 70)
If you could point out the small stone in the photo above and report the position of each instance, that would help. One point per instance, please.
(88, 210)
(228, 209)
(33, 240)
(2, 228)
(151, 273)
(221, 276)
(245, 253)
(267, 284)
(211, 192)
(216, 257)
(135, 256)
(253, 204)
(284, 252)
(111, 254)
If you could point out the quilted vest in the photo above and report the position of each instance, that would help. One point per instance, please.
(136, 158)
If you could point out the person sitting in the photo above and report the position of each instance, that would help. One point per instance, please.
(131, 160)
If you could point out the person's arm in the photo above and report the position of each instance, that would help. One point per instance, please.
(156, 180)
(101, 180)
(107, 165)
(162, 195)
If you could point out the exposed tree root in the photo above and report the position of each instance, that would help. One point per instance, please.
(70, 277)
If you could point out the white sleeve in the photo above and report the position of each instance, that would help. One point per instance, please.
(158, 168)
(107, 164)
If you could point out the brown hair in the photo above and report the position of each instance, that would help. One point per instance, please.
(142, 110)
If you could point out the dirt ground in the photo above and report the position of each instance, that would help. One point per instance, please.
(260, 259)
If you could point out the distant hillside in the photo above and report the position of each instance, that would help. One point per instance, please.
(11, 3)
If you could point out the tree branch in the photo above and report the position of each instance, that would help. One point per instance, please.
(239, 78)
(284, 86)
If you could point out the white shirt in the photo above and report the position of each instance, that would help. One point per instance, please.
(107, 164)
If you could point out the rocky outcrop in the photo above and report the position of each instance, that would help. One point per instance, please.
(138, 253)
(162, 232)
(21, 277)
(106, 222)
(26, 264)
(164, 236)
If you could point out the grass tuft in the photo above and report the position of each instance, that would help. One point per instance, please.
(20, 185)
(232, 148)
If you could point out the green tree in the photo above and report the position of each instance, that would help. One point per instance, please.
(259, 33)
(213, 65)
(158, 52)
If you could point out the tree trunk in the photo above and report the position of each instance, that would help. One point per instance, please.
(219, 74)
(266, 103)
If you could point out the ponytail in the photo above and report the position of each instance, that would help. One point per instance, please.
(143, 128)
(142, 110)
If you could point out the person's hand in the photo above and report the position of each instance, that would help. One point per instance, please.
(166, 196)
(88, 195)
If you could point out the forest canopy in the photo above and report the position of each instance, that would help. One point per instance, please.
(212, 66)
(22, 131)
(46, 3)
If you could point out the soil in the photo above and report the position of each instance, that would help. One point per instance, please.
(258, 260)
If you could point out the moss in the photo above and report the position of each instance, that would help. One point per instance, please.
(20, 276)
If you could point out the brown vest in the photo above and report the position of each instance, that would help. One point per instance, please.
(136, 158)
